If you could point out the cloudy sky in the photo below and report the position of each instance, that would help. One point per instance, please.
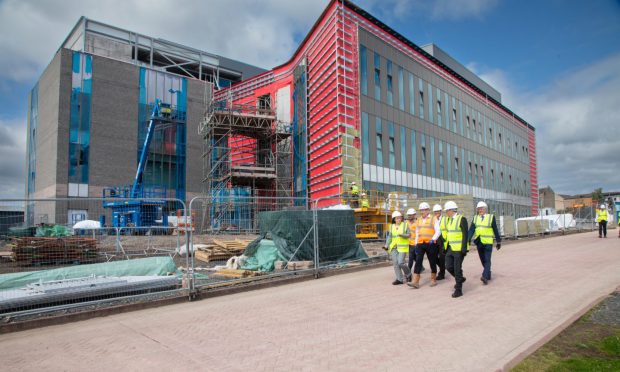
(556, 62)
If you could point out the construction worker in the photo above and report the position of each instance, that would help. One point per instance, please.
(411, 219)
(364, 201)
(601, 219)
(454, 234)
(355, 194)
(397, 245)
(425, 244)
(441, 255)
(483, 230)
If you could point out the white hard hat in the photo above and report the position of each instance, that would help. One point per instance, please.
(353, 183)
(424, 205)
(363, 194)
(410, 211)
(482, 204)
(396, 214)
(450, 205)
(436, 208)
(602, 206)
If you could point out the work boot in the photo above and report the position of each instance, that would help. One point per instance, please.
(397, 282)
(433, 279)
(409, 278)
(484, 280)
(442, 276)
(457, 293)
(416, 281)
(464, 279)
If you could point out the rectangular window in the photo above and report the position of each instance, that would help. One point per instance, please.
(446, 109)
(379, 141)
(414, 157)
(403, 149)
(456, 168)
(377, 77)
(432, 141)
(461, 118)
(423, 153)
(449, 168)
(439, 115)
(391, 149)
(430, 102)
(441, 159)
(79, 119)
(453, 114)
(365, 149)
(421, 97)
(390, 94)
(401, 89)
(411, 95)
(363, 70)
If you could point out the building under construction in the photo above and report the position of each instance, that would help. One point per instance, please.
(367, 105)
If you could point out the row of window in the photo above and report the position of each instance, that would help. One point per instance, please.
(444, 110)
(432, 157)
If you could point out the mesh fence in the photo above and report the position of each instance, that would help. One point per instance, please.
(64, 252)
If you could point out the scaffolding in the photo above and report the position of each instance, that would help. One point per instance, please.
(247, 153)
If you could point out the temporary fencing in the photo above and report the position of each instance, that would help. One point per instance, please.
(63, 253)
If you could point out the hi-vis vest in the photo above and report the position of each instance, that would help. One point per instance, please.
(365, 203)
(483, 228)
(451, 233)
(426, 229)
(602, 215)
(412, 226)
(401, 244)
(355, 190)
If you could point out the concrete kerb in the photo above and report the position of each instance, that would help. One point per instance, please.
(526, 349)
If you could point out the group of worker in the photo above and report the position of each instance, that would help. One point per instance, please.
(443, 239)
(358, 199)
(601, 220)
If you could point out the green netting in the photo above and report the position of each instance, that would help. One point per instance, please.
(138, 267)
(264, 258)
(291, 233)
(55, 231)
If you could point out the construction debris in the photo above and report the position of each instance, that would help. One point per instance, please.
(220, 250)
(29, 251)
(294, 265)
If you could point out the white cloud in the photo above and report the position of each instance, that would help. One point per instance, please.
(576, 121)
(12, 159)
(458, 9)
(257, 32)
(388, 10)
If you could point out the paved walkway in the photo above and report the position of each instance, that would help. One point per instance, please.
(357, 321)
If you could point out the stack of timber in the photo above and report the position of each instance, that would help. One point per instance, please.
(29, 251)
(221, 250)
(235, 274)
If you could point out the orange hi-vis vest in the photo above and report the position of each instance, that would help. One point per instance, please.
(426, 229)
(412, 226)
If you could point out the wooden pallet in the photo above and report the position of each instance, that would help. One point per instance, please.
(45, 250)
(221, 250)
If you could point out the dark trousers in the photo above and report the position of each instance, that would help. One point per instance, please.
(431, 252)
(454, 262)
(411, 256)
(602, 228)
(484, 252)
(441, 260)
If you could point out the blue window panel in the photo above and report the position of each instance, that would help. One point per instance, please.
(432, 141)
(401, 89)
(439, 108)
(411, 95)
(379, 141)
(430, 102)
(423, 153)
(79, 117)
(364, 70)
(414, 149)
(390, 91)
(377, 60)
(421, 97)
(448, 161)
(392, 150)
(403, 149)
(365, 139)
(33, 121)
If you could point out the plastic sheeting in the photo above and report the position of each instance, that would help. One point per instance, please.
(291, 232)
(264, 258)
(138, 267)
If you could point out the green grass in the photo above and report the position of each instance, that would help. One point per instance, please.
(584, 346)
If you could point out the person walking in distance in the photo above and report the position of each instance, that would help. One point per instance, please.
(397, 245)
(424, 244)
(601, 219)
(483, 230)
(441, 255)
(411, 219)
(454, 234)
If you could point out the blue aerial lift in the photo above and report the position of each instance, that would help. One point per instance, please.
(135, 205)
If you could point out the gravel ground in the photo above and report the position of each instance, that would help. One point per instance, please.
(608, 312)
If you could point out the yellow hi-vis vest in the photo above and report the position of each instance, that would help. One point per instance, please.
(426, 229)
(483, 228)
(412, 226)
(451, 233)
(365, 203)
(401, 244)
(602, 215)
(355, 190)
